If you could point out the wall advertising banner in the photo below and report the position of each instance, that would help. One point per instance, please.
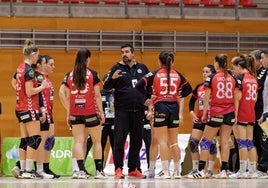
(60, 160)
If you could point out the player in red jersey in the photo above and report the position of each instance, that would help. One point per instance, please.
(27, 109)
(83, 102)
(45, 66)
(89, 143)
(199, 126)
(244, 68)
(169, 88)
(39, 67)
(221, 92)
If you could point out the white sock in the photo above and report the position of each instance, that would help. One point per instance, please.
(75, 165)
(164, 165)
(22, 165)
(152, 165)
(28, 165)
(211, 165)
(243, 165)
(251, 166)
(39, 167)
(195, 164)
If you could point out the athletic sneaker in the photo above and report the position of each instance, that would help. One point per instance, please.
(209, 174)
(136, 174)
(16, 172)
(27, 175)
(189, 174)
(163, 175)
(151, 174)
(37, 176)
(48, 171)
(30, 175)
(196, 174)
(82, 175)
(258, 175)
(221, 175)
(100, 175)
(45, 175)
(229, 173)
(176, 175)
(75, 174)
(239, 175)
(119, 174)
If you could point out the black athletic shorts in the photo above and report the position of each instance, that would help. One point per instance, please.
(88, 120)
(217, 121)
(166, 114)
(199, 126)
(27, 116)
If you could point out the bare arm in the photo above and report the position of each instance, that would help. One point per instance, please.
(206, 103)
(64, 94)
(13, 83)
(30, 90)
(63, 97)
(181, 108)
(237, 97)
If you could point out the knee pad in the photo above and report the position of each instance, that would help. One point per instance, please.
(250, 145)
(34, 141)
(49, 143)
(205, 144)
(23, 143)
(242, 143)
(193, 143)
(213, 149)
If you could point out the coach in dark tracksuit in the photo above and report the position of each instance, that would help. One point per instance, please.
(260, 138)
(129, 110)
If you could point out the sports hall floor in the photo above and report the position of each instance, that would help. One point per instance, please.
(67, 182)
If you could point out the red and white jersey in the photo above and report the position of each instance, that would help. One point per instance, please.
(82, 102)
(158, 81)
(222, 93)
(248, 85)
(199, 93)
(24, 74)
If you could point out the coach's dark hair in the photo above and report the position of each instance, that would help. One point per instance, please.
(80, 68)
(128, 45)
(166, 60)
(256, 54)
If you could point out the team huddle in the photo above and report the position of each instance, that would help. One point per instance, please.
(231, 103)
